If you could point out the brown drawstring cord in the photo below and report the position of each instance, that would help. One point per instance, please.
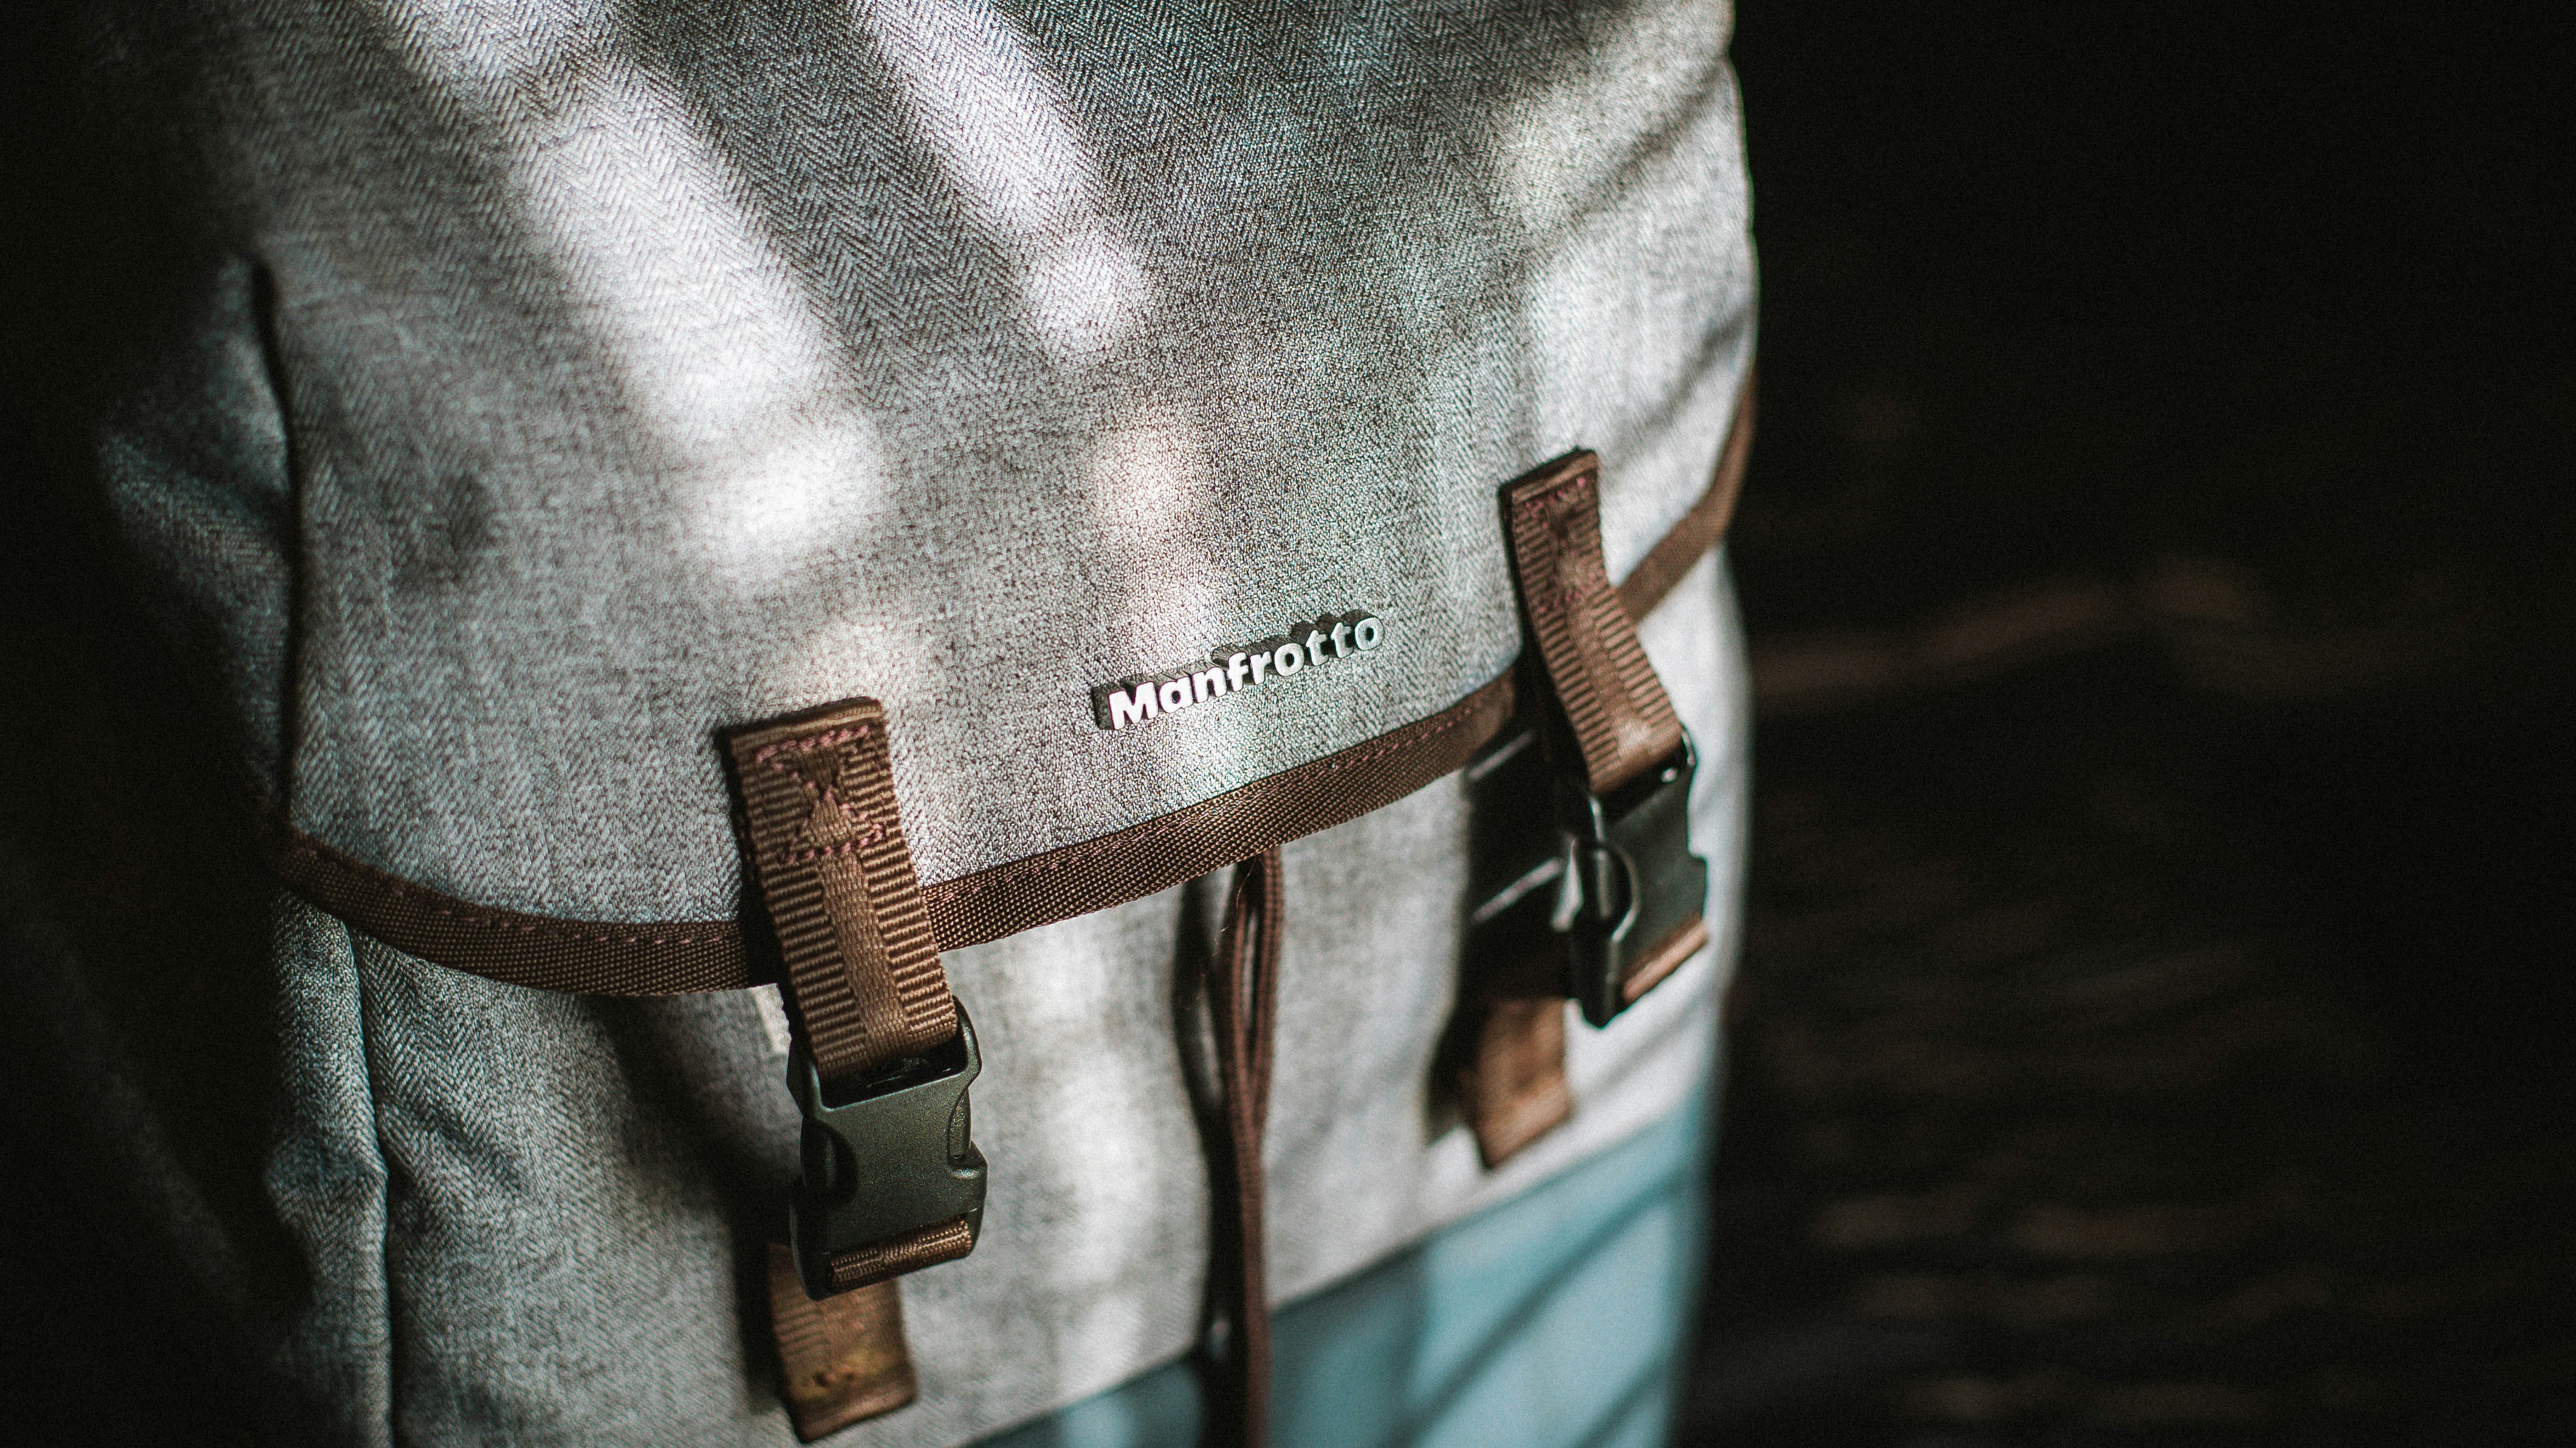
(1243, 995)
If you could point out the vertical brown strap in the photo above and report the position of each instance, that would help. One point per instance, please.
(1512, 1086)
(1243, 997)
(841, 1359)
(1512, 1089)
(827, 854)
(1620, 717)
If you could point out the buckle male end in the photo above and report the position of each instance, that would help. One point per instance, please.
(896, 1158)
(1643, 891)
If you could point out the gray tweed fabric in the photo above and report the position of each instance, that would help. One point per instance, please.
(551, 384)
(574, 379)
(538, 1218)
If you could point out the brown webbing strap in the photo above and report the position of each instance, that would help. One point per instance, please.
(1511, 1084)
(1682, 546)
(1616, 709)
(1243, 995)
(1511, 1081)
(842, 1359)
(826, 854)
(887, 1260)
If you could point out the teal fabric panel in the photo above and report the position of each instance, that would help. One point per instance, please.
(1559, 1318)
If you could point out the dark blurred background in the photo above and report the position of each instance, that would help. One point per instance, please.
(2150, 1021)
(2150, 1026)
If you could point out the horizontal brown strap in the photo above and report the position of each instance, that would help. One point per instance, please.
(1664, 957)
(885, 1261)
(585, 956)
(1678, 551)
(593, 958)
(1234, 826)
(673, 958)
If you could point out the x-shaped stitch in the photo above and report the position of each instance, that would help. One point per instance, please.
(835, 824)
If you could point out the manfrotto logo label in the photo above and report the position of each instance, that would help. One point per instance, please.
(1138, 699)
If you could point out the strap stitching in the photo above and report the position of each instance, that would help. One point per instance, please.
(872, 828)
(842, 735)
(1538, 500)
(502, 919)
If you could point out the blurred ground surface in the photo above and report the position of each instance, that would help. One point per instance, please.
(2153, 1010)
(2088, 1089)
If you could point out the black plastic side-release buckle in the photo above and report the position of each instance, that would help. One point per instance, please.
(1643, 891)
(897, 1157)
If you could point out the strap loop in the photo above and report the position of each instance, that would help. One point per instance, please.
(1614, 709)
(1243, 1001)
(1623, 762)
(891, 1181)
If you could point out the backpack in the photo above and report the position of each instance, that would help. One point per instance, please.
(1123, 594)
